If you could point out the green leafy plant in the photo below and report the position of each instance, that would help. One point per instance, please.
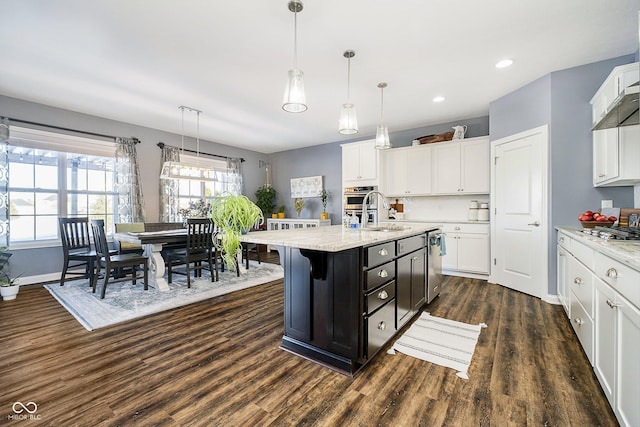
(234, 215)
(265, 196)
(5, 271)
(281, 209)
(324, 196)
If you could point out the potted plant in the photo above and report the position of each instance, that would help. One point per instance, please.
(299, 205)
(8, 285)
(234, 216)
(265, 196)
(281, 212)
(324, 196)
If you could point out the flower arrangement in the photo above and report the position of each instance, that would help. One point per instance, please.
(197, 209)
(299, 205)
(324, 196)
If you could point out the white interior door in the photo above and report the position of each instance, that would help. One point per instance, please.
(519, 197)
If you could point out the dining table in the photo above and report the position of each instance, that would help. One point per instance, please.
(152, 243)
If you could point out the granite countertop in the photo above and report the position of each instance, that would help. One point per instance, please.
(333, 238)
(625, 251)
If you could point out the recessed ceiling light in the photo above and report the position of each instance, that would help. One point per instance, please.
(504, 63)
(438, 99)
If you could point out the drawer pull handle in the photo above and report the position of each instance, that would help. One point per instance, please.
(456, 227)
(383, 252)
(612, 304)
(383, 295)
(382, 326)
(612, 273)
(577, 281)
(383, 273)
(561, 239)
(415, 258)
(579, 321)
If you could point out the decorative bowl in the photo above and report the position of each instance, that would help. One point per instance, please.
(592, 224)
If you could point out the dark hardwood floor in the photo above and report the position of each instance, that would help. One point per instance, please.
(217, 362)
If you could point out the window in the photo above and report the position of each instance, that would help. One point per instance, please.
(192, 190)
(54, 175)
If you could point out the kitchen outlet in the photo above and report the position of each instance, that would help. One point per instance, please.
(606, 203)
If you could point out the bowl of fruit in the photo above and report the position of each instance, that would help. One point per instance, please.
(590, 219)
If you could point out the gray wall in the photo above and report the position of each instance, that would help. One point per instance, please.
(561, 99)
(49, 259)
(326, 160)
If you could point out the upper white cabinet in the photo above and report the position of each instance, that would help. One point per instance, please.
(616, 156)
(620, 78)
(407, 171)
(360, 163)
(461, 167)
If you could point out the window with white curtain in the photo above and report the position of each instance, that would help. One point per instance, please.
(55, 175)
(192, 190)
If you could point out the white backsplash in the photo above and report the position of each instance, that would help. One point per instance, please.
(434, 208)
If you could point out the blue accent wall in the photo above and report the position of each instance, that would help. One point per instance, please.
(562, 100)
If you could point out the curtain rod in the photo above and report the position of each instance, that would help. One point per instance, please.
(136, 140)
(162, 145)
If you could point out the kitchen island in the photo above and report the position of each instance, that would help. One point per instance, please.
(348, 292)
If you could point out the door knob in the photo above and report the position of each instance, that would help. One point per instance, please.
(535, 224)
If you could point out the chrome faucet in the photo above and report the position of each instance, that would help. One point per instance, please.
(364, 207)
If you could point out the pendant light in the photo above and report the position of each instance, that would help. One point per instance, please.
(382, 132)
(294, 99)
(348, 121)
(186, 170)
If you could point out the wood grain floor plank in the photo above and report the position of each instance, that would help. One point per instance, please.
(218, 362)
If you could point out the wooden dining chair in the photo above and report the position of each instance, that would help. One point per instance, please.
(115, 264)
(76, 249)
(199, 250)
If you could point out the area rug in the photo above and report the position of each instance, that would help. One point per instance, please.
(123, 301)
(440, 341)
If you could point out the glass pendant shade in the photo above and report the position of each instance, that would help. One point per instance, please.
(348, 120)
(382, 138)
(294, 99)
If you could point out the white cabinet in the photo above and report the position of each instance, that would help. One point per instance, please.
(604, 312)
(616, 156)
(563, 276)
(467, 249)
(407, 171)
(360, 163)
(618, 352)
(619, 78)
(461, 167)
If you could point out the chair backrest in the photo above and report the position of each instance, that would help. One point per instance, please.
(74, 233)
(199, 234)
(100, 238)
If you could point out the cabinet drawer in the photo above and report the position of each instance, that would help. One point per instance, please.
(379, 254)
(380, 296)
(564, 241)
(623, 279)
(582, 286)
(466, 228)
(583, 253)
(411, 244)
(380, 327)
(583, 326)
(379, 275)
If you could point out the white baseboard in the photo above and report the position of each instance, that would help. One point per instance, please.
(552, 299)
(40, 278)
(464, 274)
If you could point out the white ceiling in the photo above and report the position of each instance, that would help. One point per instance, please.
(136, 61)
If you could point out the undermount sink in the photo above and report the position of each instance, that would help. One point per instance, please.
(387, 228)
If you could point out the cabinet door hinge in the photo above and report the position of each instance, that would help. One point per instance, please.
(494, 261)
(495, 160)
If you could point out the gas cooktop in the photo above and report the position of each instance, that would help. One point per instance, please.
(616, 232)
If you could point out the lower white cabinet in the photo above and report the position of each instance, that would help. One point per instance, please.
(604, 299)
(467, 248)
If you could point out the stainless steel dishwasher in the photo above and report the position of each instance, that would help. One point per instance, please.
(436, 245)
